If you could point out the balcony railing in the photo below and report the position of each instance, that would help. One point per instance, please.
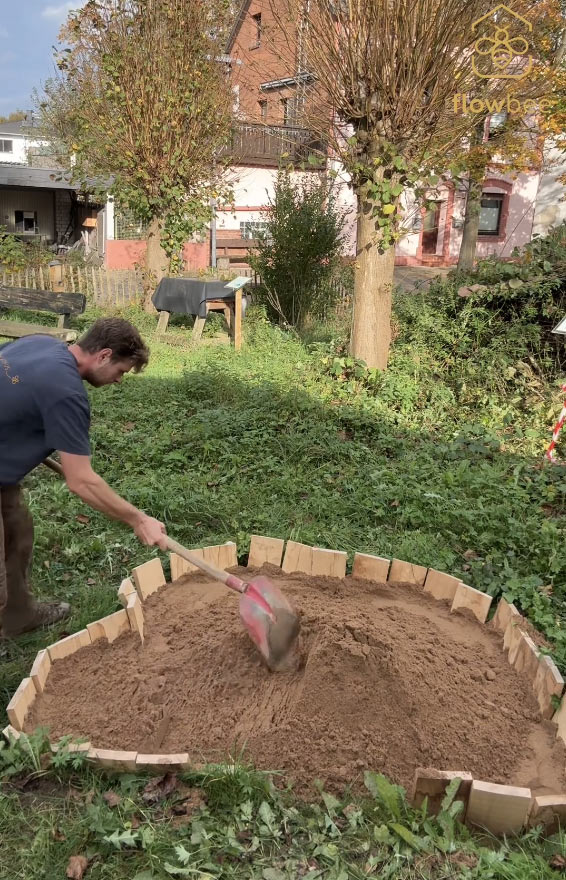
(256, 144)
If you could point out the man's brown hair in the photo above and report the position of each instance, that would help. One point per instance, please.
(118, 335)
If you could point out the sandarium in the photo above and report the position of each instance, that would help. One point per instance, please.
(399, 673)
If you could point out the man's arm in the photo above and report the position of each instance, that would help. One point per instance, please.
(88, 485)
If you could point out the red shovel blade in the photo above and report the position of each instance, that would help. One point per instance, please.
(271, 623)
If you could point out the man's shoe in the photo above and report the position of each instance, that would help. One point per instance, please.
(44, 614)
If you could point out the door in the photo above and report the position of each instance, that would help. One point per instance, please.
(430, 229)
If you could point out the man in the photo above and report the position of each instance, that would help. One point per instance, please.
(44, 407)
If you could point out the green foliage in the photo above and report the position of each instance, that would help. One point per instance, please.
(46, 818)
(437, 457)
(299, 249)
(143, 108)
(12, 251)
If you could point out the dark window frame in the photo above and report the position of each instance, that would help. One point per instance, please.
(3, 142)
(500, 198)
(257, 21)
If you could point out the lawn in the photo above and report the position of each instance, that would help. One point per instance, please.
(439, 462)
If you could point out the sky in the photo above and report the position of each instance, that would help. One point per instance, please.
(28, 31)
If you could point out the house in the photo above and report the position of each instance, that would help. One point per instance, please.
(37, 201)
(273, 98)
(550, 208)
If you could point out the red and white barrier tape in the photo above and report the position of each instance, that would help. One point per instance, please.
(550, 453)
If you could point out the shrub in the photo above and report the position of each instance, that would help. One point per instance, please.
(299, 249)
(12, 251)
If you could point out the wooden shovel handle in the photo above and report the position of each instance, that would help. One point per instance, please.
(54, 465)
(217, 573)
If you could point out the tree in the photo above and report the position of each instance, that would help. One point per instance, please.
(299, 248)
(391, 74)
(15, 116)
(511, 146)
(140, 108)
(514, 144)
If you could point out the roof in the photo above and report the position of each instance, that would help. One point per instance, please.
(20, 128)
(237, 24)
(40, 178)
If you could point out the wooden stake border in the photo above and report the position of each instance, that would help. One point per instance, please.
(501, 809)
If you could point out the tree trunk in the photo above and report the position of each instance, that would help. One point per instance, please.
(471, 226)
(156, 262)
(373, 285)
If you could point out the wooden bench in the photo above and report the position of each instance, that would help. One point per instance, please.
(62, 304)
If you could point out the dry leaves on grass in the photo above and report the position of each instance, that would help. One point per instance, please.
(159, 788)
(190, 801)
(112, 799)
(77, 867)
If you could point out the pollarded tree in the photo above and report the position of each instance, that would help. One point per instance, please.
(391, 76)
(142, 104)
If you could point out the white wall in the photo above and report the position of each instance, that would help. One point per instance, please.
(20, 147)
(550, 208)
(19, 151)
(254, 187)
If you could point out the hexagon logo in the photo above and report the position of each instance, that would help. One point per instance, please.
(501, 49)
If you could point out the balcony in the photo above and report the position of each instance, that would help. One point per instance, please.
(256, 144)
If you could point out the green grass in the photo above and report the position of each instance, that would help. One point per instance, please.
(237, 826)
(438, 462)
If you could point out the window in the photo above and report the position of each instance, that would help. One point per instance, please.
(263, 110)
(257, 25)
(25, 221)
(495, 123)
(491, 207)
(250, 228)
(6, 146)
(128, 226)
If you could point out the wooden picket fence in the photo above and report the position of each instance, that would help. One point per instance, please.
(120, 287)
(102, 286)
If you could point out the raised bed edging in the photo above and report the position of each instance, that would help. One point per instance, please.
(502, 809)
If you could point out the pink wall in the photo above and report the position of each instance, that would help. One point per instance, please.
(127, 254)
(124, 254)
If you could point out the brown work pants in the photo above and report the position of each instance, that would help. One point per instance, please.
(17, 605)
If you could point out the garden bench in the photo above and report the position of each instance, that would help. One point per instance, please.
(62, 304)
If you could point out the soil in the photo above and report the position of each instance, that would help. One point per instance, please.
(389, 680)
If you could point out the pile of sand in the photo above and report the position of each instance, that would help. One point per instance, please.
(390, 680)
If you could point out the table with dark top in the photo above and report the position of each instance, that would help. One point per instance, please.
(195, 296)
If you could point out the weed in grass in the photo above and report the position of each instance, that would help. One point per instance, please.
(437, 461)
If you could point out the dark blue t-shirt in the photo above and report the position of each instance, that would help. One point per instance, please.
(43, 405)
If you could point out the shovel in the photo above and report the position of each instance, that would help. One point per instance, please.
(266, 614)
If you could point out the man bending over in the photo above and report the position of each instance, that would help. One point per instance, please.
(44, 407)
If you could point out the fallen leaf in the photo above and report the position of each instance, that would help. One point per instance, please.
(90, 581)
(111, 798)
(82, 518)
(558, 862)
(395, 503)
(46, 563)
(159, 788)
(76, 867)
(191, 800)
(470, 554)
(58, 835)
(128, 426)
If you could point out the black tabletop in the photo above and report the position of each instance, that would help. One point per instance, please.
(188, 296)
